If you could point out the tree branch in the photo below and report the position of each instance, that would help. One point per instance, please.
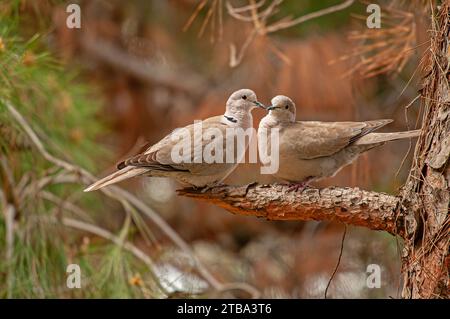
(145, 70)
(313, 15)
(351, 206)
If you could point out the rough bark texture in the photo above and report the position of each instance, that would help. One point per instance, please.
(426, 197)
(274, 202)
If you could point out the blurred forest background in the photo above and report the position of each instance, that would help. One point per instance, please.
(74, 102)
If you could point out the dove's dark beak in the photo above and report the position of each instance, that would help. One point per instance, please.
(259, 104)
(270, 108)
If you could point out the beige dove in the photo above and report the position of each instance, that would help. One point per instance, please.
(158, 160)
(313, 150)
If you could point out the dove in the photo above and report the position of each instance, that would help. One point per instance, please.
(313, 150)
(161, 159)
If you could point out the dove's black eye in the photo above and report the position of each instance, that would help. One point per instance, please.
(244, 97)
(286, 107)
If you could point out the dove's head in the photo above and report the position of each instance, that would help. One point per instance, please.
(243, 100)
(282, 109)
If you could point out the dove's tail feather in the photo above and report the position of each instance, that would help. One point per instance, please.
(116, 177)
(374, 138)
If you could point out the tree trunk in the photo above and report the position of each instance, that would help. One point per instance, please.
(419, 214)
(425, 196)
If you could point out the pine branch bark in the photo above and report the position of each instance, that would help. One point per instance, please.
(351, 206)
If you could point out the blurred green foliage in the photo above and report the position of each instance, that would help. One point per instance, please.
(62, 110)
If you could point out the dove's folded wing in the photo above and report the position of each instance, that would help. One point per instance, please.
(317, 139)
(160, 156)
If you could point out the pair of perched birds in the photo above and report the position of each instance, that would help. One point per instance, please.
(307, 150)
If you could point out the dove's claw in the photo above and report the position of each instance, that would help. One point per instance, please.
(296, 187)
(208, 187)
(205, 189)
(299, 186)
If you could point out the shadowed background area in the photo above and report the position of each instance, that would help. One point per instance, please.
(136, 70)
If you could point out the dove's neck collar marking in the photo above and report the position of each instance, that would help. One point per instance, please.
(230, 118)
(239, 118)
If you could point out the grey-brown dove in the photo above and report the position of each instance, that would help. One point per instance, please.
(313, 150)
(179, 155)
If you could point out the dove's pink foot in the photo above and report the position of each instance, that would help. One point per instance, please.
(299, 186)
(296, 187)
